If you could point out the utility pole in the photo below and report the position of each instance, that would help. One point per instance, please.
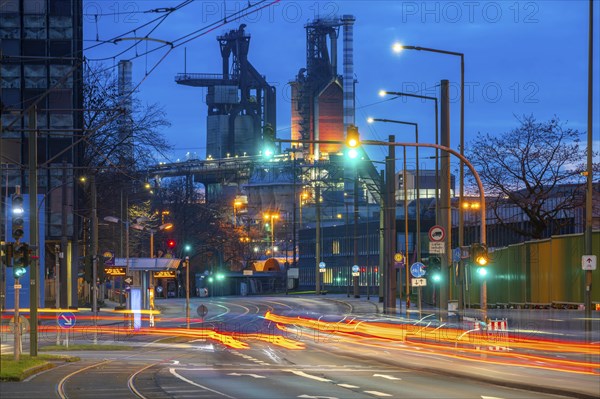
(318, 239)
(57, 255)
(382, 239)
(445, 216)
(64, 244)
(187, 291)
(390, 219)
(34, 270)
(355, 280)
(589, 181)
(94, 254)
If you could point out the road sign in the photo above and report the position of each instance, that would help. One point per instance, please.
(128, 280)
(417, 269)
(437, 247)
(588, 262)
(418, 282)
(201, 310)
(109, 258)
(398, 257)
(321, 265)
(17, 286)
(437, 233)
(456, 254)
(355, 274)
(355, 268)
(66, 320)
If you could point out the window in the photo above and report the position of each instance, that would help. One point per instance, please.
(10, 26)
(60, 28)
(60, 48)
(35, 76)
(58, 72)
(34, 6)
(11, 76)
(336, 247)
(34, 27)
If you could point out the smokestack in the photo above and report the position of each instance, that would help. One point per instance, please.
(348, 22)
(125, 102)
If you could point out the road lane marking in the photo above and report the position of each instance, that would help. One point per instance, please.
(248, 374)
(182, 378)
(305, 375)
(377, 393)
(348, 386)
(388, 377)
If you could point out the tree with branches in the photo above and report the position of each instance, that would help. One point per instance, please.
(536, 168)
(119, 141)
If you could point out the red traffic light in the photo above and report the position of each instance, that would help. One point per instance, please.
(171, 244)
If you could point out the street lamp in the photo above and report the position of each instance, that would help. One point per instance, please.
(272, 216)
(397, 48)
(383, 93)
(417, 185)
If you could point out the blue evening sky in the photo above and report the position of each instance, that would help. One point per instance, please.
(521, 58)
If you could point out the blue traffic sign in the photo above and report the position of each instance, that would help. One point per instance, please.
(417, 270)
(456, 254)
(66, 320)
(355, 268)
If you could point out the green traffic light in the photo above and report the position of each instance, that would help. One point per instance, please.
(220, 276)
(436, 278)
(352, 153)
(482, 271)
(18, 272)
(188, 247)
(210, 279)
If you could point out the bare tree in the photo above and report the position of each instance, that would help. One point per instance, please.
(535, 168)
(112, 133)
(119, 144)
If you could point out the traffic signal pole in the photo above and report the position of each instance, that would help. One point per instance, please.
(34, 270)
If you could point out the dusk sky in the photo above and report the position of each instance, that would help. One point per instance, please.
(521, 58)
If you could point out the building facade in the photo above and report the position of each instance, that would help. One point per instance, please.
(41, 90)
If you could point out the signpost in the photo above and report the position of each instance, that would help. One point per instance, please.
(417, 270)
(588, 262)
(321, 267)
(66, 320)
(437, 233)
(355, 271)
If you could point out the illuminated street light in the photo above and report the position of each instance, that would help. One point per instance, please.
(272, 217)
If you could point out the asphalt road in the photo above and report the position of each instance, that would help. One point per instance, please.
(328, 365)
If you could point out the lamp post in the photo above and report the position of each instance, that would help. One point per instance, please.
(397, 48)
(435, 100)
(272, 217)
(187, 291)
(417, 184)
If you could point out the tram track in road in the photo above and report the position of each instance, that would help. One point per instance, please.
(110, 378)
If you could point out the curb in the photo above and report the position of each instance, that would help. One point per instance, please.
(30, 371)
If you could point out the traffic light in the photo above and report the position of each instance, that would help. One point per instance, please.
(434, 269)
(352, 141)
(88, 268)
(171, 244)
(268, 141)
(21, 259)
(18, 212)
(479, 254)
